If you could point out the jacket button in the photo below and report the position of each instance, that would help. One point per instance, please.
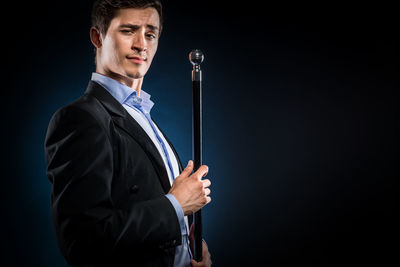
(134, 188)
(173, 242)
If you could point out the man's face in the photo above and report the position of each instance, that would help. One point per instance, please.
(130, 43)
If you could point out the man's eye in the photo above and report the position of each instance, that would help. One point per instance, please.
(126, 31)
(151, 36)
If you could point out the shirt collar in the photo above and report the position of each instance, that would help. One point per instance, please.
(124, 94)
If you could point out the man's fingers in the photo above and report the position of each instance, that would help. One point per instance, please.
(206, 183)
(188, 170)
(207, 191)
(201, 172)
(205, 247)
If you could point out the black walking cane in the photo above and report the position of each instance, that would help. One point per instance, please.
(196, 57)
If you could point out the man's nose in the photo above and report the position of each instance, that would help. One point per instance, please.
(139, 42)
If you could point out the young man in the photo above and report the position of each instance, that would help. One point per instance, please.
(119, 195)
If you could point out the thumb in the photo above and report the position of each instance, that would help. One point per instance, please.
(188, 170)
(191, 233)
(191, 237)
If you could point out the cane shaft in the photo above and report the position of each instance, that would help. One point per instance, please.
(196, 57)
(197, 157)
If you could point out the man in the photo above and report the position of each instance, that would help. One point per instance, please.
(119, 195)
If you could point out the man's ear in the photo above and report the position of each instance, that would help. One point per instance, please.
(95, 37)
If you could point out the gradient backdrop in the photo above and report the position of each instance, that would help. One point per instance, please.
(301, 125)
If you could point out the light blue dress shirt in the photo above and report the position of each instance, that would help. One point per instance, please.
(139, 108)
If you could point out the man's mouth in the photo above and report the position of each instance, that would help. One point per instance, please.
(136, 59)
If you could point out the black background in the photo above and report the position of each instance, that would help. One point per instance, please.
(301, 124)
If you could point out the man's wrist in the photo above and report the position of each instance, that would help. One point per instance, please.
(179, 212)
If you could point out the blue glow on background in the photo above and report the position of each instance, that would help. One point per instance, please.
(171, 93)
(300, 129)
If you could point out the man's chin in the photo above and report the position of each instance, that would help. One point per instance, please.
(134, 75)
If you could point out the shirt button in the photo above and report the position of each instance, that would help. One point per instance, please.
(137, 99)
(134, 188)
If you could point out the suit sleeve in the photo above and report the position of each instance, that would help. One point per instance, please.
(79, 159)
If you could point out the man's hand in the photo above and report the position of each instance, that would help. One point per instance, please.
(191, 192)
(206, 256)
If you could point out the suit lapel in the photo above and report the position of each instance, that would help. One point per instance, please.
(125, 121)
(190, 217)
(172, 147)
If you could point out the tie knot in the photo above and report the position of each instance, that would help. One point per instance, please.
(144, 104)
(137, 100)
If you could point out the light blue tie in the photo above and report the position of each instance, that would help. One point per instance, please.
(136, 102)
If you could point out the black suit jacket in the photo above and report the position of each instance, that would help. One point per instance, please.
(109, 183)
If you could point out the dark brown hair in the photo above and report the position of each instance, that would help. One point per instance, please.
(104, 11)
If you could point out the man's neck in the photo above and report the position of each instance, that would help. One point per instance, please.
(135, 84)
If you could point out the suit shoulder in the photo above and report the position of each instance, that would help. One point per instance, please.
(84, 112)
(84, 108)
